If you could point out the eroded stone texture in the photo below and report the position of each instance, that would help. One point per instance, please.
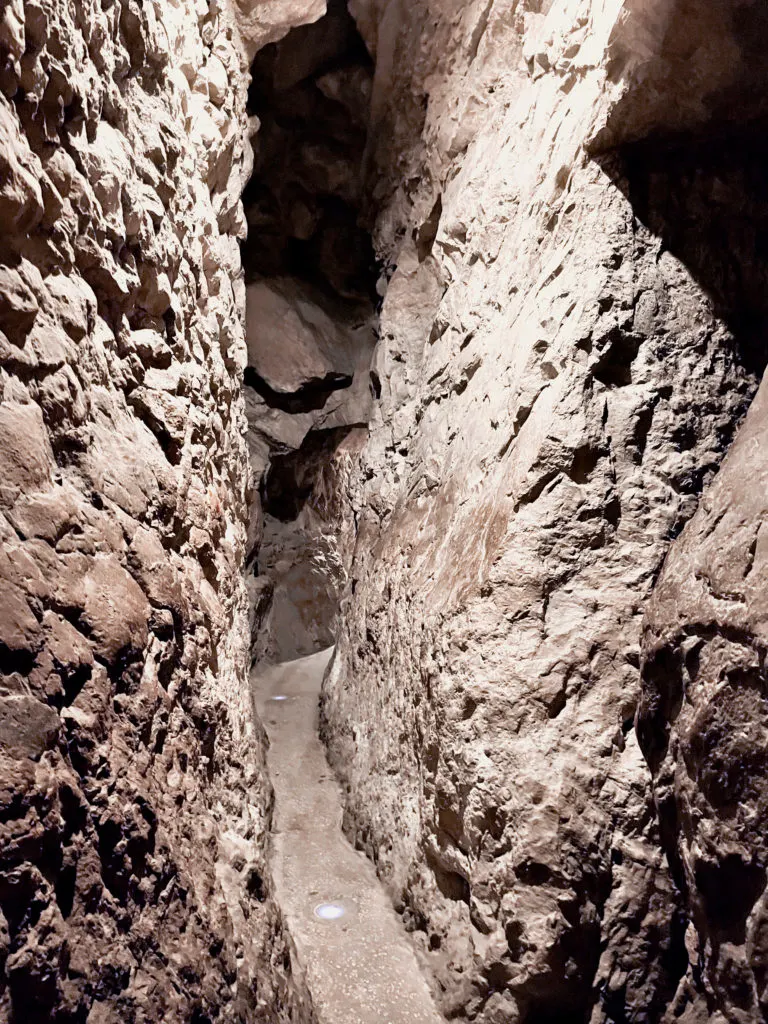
(133, 884)
(305, 525)
(702, 724)
(572, 330)
(563, 362)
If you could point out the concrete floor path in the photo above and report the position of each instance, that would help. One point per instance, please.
(359, 966)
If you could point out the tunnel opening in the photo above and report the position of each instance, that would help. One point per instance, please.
(310, 276)
(311, 93)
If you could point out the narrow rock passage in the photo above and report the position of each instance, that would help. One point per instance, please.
(358, 967)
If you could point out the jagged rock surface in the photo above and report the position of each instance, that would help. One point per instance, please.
(571, 334)
(572, 330)
(133, 884)
(305, 549)
(703, 726)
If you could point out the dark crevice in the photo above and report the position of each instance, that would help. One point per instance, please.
(311, 297)
(706, 197)
(13, 662)
(427, 233)
(310, 397)
(291, 478)
(310, 94)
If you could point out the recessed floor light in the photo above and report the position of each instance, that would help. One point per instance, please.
(329, 911)
(279, 697)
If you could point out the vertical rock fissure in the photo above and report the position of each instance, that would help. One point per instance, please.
(311, 324)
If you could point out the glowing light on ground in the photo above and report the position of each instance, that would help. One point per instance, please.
(329, 911)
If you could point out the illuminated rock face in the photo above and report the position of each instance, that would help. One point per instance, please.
(568, 200)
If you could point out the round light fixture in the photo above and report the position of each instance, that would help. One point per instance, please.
(329, 911)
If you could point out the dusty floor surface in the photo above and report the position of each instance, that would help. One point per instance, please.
(359, 968)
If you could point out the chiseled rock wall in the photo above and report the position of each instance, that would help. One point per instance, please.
(560, 375)
(134, 805)
(703, 725)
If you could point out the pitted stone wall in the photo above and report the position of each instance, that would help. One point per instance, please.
(572, 331)
(133, 884)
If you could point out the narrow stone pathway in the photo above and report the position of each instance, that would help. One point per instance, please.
(350, 945)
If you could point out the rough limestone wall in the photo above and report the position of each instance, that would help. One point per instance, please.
(556, 387)
(703, 725)
(134, 805)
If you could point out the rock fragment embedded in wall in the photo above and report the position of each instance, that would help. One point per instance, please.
(295, 345)
(260, 24)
